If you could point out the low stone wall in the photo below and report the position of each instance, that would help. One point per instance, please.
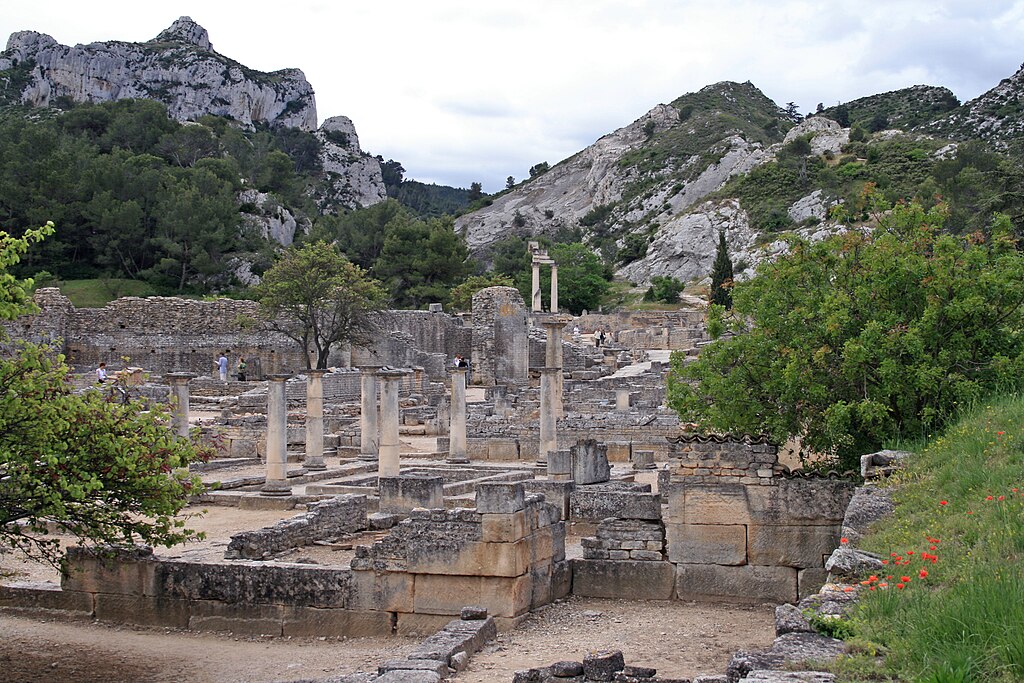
(328, 519)
(723, 460)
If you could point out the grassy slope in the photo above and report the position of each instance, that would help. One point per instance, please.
(961, 500)
(97, 293)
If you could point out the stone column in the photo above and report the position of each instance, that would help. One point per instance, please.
(554, 288)
(368, 436)
(179, 395)
(553, 357)
(537, 306)
(315, 420)
(548, 417)
(391, 380)
(277, 438)
(457, 431)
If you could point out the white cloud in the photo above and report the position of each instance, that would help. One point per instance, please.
(461, 91)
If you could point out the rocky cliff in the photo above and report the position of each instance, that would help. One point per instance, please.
(179, 68)
(996, 116)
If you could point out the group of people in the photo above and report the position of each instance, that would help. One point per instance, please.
(222, 367)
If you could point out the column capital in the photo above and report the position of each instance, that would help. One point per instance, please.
(369, 369)
(280, 377)
(554, 320)
(180, 377)
(392, 373)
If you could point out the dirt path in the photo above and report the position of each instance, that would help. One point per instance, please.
(679, 639)
(34, 651)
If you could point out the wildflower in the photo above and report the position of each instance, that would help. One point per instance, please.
(905, 579)
(848, 589)
(943, 502)
(970, 512)
(885, 561)
(844, 540)
(1000, 433)
(872, 578)
(1002, 497)
(872, 588)
(934, 547)
(910, 552)
(922, 574)
(900, 586)
(988, 497)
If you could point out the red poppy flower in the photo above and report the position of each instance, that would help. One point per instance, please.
(988, 497)
(844, 540)
(943, 502)
(900, 586)
(922, 574)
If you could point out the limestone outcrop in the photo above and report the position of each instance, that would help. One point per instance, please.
(353, 177)
(179, 68)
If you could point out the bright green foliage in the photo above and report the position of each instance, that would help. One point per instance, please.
(109, 473)
(317, 298)
(421, 261)
(461, 297)
(959, 517)
(864, 338)
(721, 275)
(665, 289)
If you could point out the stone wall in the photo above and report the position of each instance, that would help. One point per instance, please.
(500, 342)
(328, 519)
(164, 334)
(725, 460)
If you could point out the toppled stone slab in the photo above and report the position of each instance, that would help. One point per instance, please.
(327, 519)
(457, 637)
(851, 563)
(882, 463)
(789, 619)
(602, 666)
(788, 677)
(829, 603)
(787, 650)
(868, 505)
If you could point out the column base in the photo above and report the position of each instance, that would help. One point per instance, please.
(368, 457)
(318, 466)
(276, 488)
(457, 460)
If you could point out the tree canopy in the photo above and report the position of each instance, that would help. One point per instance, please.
(317, 298)
(864, 338)
(109, 473)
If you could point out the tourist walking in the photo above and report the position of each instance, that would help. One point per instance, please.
(222, 367)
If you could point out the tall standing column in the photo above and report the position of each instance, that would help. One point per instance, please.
(553, 357)
(277, 438)
(457, 430)
(554, 288)
(548, 417)
(315, 420)
(179, 395)
(537, 307)
(368, 435)
(391, 380)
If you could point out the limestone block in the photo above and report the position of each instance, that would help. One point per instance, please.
(313, 622)
(417, 625)
(724, 544)
(791, 546)
(253, 620)
(405, 676)
(810, 581)
(709, 504)
(540, 574)
(558, 541)
(555, 492)
(504, 528)
(130, 572)
(561, 579)
(503, 597)
(500, 497)
(499, 449)
(257, 584)
(45, 596)
(403, 493)
(747, 583)
(618, 451)
(595, 505)
(589, 462)
(820, 502)
(560, 463)
(141, 610)
(628, 579)
(475, 558)
(541, 545)
(384, 591)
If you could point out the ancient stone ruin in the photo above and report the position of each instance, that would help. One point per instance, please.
(429, 499)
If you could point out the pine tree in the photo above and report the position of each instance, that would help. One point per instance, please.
(721, 275)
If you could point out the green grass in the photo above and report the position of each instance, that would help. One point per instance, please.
(98, 292)
(963, 495)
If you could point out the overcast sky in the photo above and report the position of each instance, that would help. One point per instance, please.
(470, 90)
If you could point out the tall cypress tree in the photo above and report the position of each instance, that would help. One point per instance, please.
(721, 275)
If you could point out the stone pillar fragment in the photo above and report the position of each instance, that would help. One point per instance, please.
(277, 438)
(457, 429)
(548, 417)
(180, 399)
(554, 288)
(553, 357)
(369, 438)
(391, 381)
(537, 306)
(315, 420)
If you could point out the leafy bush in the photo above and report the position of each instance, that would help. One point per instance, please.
(864, 338)
(666, 289)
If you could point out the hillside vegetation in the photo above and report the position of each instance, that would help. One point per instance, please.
(948, 606)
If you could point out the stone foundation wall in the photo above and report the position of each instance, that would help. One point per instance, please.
(328, 519)
(500, 342)
(723, 460)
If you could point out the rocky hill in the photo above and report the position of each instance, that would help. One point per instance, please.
(180, 68)
(996, 116)
(653, 196)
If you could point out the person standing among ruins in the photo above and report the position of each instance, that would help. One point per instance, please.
(101, 373)
(222, 366)
(241, 368)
